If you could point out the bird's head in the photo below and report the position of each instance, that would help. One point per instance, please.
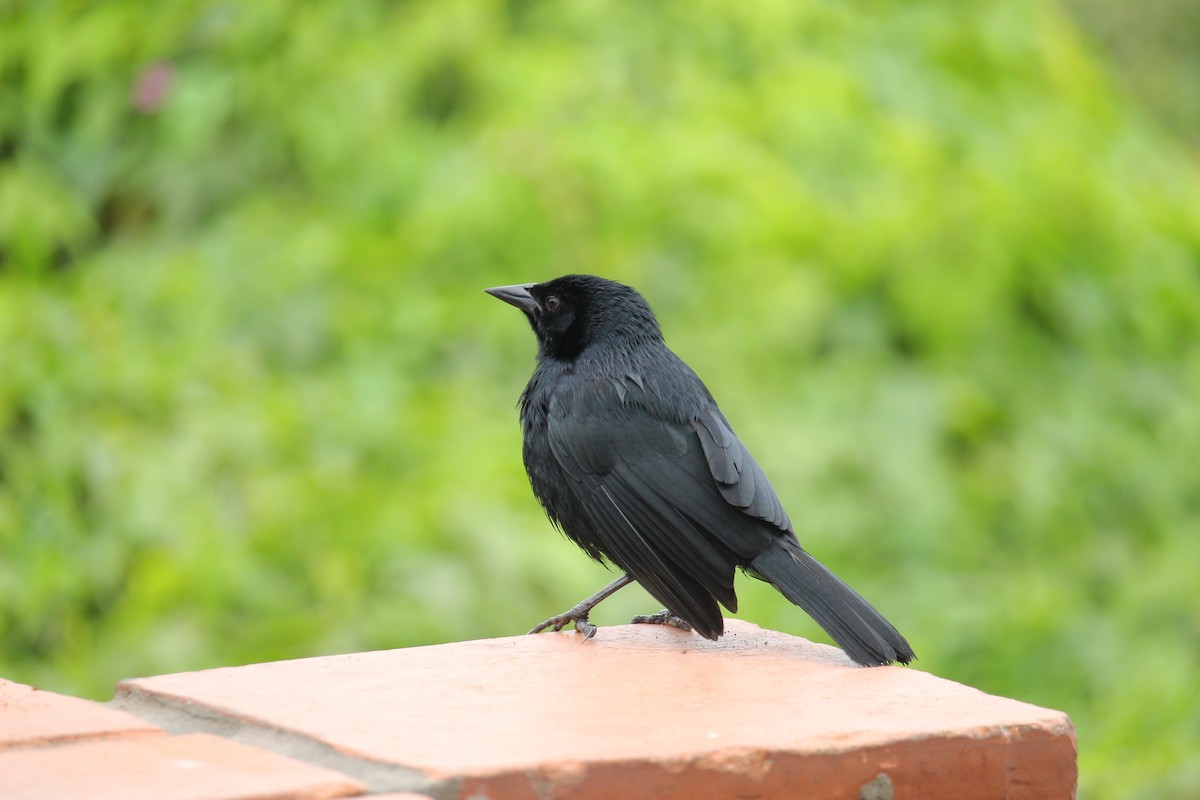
(575, 312)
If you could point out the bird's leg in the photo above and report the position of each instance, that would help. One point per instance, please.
(663, 617)
(579, 613)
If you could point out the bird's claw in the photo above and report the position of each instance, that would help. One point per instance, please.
(559, 621)
(663, 617)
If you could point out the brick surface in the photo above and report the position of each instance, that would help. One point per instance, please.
(29, 716)
(193, 767)
(645, 711)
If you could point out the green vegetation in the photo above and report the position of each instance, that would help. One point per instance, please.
(941, 274)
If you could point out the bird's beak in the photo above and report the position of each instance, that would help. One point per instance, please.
(516, 295)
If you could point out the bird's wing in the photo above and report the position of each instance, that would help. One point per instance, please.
(741, 480)
(677, 505)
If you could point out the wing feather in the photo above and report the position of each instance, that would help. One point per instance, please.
(739, 477)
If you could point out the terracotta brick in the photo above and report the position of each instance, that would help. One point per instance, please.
(29, 716)
(643, 711)
(194, 767)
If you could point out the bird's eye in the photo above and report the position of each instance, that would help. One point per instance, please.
(552, 303)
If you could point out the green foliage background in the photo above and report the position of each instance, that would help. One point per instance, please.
(940, 270)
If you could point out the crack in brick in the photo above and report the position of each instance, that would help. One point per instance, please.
(181, 716)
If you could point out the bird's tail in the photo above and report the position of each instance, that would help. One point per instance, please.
(853, 623)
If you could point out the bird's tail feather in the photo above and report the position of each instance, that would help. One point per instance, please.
(853, 623)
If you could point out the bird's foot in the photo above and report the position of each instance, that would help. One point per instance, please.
(578, 615)
(663, 617)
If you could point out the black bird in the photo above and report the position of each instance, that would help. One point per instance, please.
(631, 458)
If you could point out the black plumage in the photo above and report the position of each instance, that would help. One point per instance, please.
(630, 456)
